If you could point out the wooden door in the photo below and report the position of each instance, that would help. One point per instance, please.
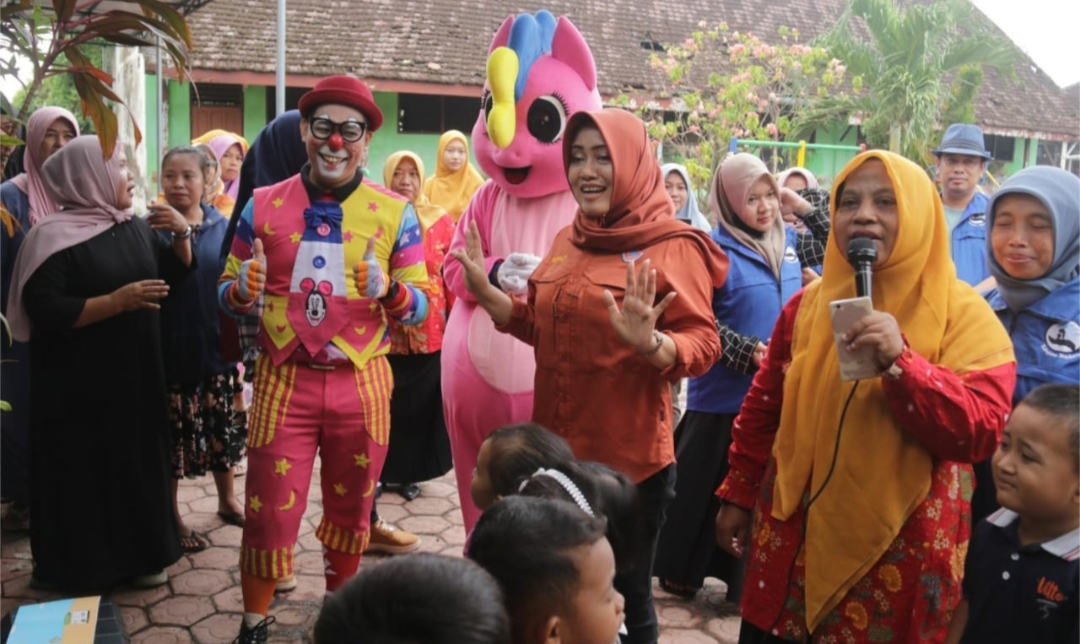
(209, 117)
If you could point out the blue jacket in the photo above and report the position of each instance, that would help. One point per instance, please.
(1046, 338)
(749, 303)
(969, 242)
(190, 327)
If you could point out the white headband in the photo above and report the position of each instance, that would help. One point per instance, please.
(566, 484)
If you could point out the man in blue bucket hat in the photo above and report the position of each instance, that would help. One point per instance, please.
(961, 163)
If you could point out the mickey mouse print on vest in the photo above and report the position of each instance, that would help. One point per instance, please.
(317, 301)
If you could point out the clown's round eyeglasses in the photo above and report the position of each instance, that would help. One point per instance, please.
(324, 128)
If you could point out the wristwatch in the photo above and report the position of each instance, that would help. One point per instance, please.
(185, 234)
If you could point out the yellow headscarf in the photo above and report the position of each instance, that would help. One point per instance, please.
(882, 473)
(427, 212)
(452, 190)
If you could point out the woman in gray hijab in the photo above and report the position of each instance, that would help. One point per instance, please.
(1033, 251)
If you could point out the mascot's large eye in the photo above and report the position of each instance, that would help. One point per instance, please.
(547, 118)
(487, 101)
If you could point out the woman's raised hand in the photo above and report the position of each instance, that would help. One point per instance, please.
(164, 217)
(792, 202)
(472, 260)
(636, 321)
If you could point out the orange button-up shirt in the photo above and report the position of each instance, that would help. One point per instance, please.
(591, 387)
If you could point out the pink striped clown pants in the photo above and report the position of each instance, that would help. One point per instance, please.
(343, 414)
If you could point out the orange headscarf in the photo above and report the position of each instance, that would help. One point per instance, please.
(882, 473)
(641, 212)
(448, 188)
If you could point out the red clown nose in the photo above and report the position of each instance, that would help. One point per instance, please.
(336, 142)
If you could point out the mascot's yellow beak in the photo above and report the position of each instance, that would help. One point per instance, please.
(502, 71)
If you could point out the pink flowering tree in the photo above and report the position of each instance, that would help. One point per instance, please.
(719, 84)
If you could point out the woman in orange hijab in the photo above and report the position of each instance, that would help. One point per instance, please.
(860, 491)
(455, 179)
(611, 338)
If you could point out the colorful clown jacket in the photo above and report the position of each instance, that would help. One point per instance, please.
(313, 311)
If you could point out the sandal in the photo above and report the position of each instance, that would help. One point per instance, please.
(194, 542)
(240, 468)
(679, 590)
(232, 518)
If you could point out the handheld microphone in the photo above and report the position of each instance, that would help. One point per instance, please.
(861, 253)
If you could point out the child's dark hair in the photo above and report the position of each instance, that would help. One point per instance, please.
(1063, 403)
(516, 451)
(416, 598)
(526, 543)
(611, 495)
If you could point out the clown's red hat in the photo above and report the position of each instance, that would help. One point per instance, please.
(343, 90)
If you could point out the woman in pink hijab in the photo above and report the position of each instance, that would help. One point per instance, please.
(48, 130)
(85, 293)
(25, 199)
(230, 150)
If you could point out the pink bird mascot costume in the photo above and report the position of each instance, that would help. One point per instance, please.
(540, 71)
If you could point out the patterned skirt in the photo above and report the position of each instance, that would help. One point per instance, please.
(208, 434)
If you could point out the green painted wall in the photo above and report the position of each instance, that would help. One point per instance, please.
(388, 141)
(254, 111)
(179, 114)
(150, 132)
(826, 164)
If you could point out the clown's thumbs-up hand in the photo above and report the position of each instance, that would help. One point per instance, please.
(371, 279)
(251, 279)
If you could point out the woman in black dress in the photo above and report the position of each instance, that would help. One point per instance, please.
(85, 294)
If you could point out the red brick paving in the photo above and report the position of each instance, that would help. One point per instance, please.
(201, 603)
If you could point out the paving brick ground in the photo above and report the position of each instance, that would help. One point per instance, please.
(201, 603)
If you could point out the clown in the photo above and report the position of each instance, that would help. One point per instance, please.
(540, 72)
(335, 256)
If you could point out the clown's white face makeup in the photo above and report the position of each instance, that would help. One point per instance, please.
(334, 161)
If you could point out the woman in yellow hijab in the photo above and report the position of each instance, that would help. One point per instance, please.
(419, 446)
(455, 179)
(860, 491)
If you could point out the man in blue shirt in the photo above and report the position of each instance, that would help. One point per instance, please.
(961, 163)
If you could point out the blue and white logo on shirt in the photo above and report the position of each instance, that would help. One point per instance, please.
(789, 255)
(1062, 339)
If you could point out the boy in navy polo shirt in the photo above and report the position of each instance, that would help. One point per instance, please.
(1022, 576)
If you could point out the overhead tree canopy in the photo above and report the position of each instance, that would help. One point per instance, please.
(51, 36)
(916, 62)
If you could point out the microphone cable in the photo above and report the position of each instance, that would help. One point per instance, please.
(806, 513)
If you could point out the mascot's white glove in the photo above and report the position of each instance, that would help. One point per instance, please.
(514, 272)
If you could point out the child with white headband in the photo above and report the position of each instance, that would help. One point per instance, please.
(555, 567)
(601, 492)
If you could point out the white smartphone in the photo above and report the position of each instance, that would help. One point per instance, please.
(854, 365)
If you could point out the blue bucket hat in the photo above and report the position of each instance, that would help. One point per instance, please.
(962, 138)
